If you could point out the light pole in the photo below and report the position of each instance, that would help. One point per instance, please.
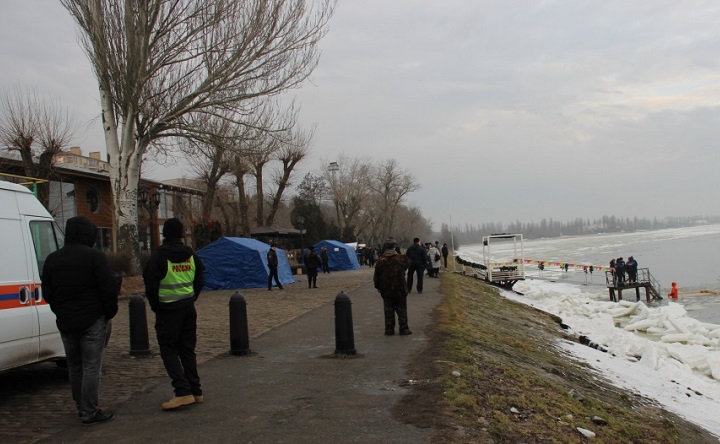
(150, 201)
(301, 222)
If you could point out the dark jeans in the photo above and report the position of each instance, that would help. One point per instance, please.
(393, 305)
(177, 335)
(273, 275)
(420, 271)
(84, 351)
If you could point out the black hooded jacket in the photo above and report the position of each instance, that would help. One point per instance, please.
(172, 250)
(77, 280)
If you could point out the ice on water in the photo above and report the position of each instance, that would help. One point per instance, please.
(659, 351)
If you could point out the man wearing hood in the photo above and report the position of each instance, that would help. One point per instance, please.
(173, 280)
(79, 285)
(389, 280)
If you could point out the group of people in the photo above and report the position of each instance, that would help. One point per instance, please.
(395, 274)
(624, 272)
(79, 284)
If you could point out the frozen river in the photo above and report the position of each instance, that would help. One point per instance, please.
(688, 256)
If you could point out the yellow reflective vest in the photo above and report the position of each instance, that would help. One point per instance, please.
(178, 282)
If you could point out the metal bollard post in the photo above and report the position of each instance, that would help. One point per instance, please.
(139, 344)
(344, 336)
(239, 336)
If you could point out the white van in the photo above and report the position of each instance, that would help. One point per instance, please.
(28, 233)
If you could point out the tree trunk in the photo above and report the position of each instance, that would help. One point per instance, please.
(242, 205)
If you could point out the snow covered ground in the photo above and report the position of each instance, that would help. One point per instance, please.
(659, 352)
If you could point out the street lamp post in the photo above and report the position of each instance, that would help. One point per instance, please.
(150, 201)
(301, 222)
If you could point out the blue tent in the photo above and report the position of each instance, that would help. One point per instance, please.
(340, 256)
(239, 262)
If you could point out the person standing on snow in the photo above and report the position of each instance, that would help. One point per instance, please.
(173, 280)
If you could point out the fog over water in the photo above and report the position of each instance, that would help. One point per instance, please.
(688, 256)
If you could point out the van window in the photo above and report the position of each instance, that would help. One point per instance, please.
(47, 238)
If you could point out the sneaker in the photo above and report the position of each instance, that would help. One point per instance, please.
(405, 332)
(98, 418)
(178, 401)
(199, 398)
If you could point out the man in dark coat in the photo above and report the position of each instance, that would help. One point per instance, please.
(272, 261)
(173, 280)
(445, 254)
(312, 262)
(631, 266)
(620, 271)
(80, 287)
(325, 259)
(389, 280)
(417, 254)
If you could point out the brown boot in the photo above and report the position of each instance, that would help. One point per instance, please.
(178, 401)
(199, 398)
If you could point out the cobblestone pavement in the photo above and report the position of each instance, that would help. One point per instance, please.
(35, 401)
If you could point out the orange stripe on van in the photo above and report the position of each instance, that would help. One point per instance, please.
(9, 296)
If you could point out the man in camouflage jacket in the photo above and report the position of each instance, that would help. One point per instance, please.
(389, 280)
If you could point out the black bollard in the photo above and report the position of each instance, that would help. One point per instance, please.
(139, 344)
(239, 336)
(344, 336)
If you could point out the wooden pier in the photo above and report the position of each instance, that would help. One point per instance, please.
(644, 280)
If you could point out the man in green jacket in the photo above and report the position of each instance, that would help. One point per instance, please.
(173, 280)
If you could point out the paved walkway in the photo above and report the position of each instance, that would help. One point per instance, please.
(291, 389)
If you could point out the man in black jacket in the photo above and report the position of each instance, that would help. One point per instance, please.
(272, 261)
(173, 280)
(417, 254)
(389, 280)
(80, 287)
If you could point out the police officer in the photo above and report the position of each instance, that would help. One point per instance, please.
(272, 261)
(173, 279)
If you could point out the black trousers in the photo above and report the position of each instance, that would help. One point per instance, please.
(177, 336)
(420, 271)
(273, 275)
(393, 306)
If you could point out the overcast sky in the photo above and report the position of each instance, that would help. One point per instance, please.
(502, 110)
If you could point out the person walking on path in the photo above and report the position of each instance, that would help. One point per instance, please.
(389, 280)
(312, 262)
(445, 253)
(272, 261)
(325, 260)
(173, 280)
(417, 255)
(79, 285)
(434, 261)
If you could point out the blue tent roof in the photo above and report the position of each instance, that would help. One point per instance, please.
(239, 262)
(340, 256)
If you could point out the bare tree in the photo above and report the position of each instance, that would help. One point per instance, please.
(35, 130)
(348, 180)
(390, 185)
(159, 61)
(241, 168)
(290, 154)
